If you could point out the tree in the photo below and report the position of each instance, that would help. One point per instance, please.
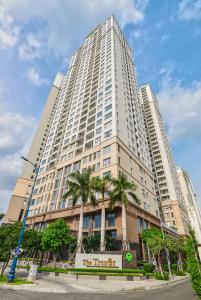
(56, 235)
(9, 234)
(153, 238)
(193, 264)
(32, 242)
(176, 245)
(102, 185)
(80, 189)
(123, 188)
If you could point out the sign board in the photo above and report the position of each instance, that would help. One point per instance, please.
(129, 259)
(102, 261)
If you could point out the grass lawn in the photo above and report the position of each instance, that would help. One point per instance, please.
(17, 281)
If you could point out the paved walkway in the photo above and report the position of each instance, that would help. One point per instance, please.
(53, 284)
(179, 291)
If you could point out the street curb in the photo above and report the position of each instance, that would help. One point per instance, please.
(37, 289)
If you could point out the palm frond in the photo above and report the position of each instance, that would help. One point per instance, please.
(135, 197)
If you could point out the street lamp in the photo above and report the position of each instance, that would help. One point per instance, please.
(11, 274)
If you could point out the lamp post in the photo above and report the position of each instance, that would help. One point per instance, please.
(11, 274)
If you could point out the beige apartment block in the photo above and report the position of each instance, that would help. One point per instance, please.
(18, 199)
(97, 123)
(191, 203)
(169, 193)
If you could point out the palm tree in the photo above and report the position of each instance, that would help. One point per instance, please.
(102, 185)
(123, 188)
(79, 187)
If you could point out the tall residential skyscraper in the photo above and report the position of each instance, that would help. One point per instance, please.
(97, 123)
(191, 203)
(168, 189)
(17, 204)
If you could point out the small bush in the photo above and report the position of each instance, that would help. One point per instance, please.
(180, 273)
(158, 276)
(128, 271)
(149, 268)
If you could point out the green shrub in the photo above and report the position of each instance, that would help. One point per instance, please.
(193, 266)
(172, 266)
(149, 268)
(56, 270)
(128, 271)
(158, 276)
(180, 273)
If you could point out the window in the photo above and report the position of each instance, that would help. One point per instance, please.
(108, 134)
(111, 220)
(107, 162)
(97, 220)
(98, 140)
(99, 114)
(99, 122)
(107, 116)
(108, 107)
(107, 149)
(106, 174)
(107, 125)
(98, 130)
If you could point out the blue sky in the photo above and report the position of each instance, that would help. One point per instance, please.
(37, 39)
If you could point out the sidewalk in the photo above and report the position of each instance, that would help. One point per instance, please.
(51, 284)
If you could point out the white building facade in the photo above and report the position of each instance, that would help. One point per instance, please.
(168, 189)
(191, 203)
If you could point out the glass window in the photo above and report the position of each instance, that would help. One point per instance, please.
(99, 114)
(107, 162)
(97, 221)
(108, 107)
(98, 130)
(108, 134)
(107, 149)
(86, 222)
(109, 115)
(111, 220)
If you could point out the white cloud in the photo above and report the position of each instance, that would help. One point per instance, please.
(34, 77)
(16, 132)
(181, 107)
(61, 29)
(190, 10)
(9, 32)
(31, 48)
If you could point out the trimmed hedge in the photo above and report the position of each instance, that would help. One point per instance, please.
(56, 270)
(109, 274)
(129, 271)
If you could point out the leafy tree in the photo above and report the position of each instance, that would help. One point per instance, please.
(153, 238)
(56, 235)
(9, 234)
(122, 188)
(102, 185)
(80, 189)
(176, 245)
(193, 265)
(32, 242)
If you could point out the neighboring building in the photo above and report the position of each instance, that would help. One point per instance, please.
(18, 201)
(98, 123)
(168, 188)
(191, 203)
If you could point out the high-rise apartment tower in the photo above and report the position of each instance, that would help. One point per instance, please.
(98, 123)
(18, 201)
(191, 203)
(169, 194)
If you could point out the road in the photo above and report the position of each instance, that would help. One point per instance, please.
(180, 291)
